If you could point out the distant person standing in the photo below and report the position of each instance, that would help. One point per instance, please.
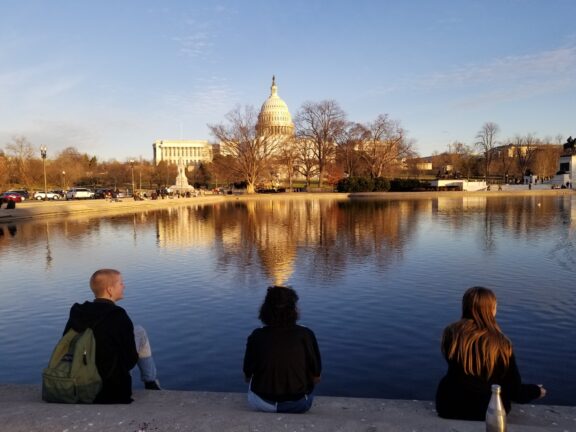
(119, 345)
(282, 360)
(479, 355)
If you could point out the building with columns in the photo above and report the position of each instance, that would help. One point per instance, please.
(191, 152)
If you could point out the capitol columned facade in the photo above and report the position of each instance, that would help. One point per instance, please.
(190, 152)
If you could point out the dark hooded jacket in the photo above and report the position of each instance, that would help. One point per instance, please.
(116, 351)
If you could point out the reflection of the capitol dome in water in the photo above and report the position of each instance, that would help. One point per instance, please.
(321, 237)
(327, 234)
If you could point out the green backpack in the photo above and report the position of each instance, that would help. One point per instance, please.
(72, 375)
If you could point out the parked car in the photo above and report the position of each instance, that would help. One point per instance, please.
(60, 192)
(79, 193)
(52, 195)
(103, 193)
(11, 196)
(22, 192)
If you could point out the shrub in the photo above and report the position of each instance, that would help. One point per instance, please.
(363, 184)
(381, 184)
(406, 185)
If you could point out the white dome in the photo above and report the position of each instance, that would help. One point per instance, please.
(274, 117)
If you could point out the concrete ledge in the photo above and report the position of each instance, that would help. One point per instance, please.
(21, 409)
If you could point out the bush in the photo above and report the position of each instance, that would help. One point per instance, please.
(407, 185)
(363, 184)
(381, 184)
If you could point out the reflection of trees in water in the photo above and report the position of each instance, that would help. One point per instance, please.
(326, 236)
(353, 232)
(522, 217)
(329, 235)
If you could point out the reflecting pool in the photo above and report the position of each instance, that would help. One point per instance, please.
(378, 281)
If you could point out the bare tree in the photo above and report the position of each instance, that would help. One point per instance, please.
(252, 152)
(4, 173)
(384, 145)
(22, 153)
(348, 144)
(73, 163)
(525, 149)
(505, 158)
(462, 158)
(545, 161)
(486, 142)
(321, 123)
(306, 163)
(287, 158)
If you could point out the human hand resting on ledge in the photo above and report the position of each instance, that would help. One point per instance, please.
(542, 391)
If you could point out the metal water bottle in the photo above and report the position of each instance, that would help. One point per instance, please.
(496, 414)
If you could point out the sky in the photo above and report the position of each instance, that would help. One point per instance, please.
(110, 77)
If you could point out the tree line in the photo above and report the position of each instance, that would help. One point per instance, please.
(325, 148)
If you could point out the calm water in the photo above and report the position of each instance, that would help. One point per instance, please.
(378, 281)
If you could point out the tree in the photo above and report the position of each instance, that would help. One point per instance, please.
(525, 149)
(383, 145)
(4, 173)
(164, 174)
(347, 152)
(220, 169)
(22, 153)
(545, 162)
(486, 142)
(252, 153)
(306, 162)
(73, 163)
(321, 123)
(505, 158)
(287, 158)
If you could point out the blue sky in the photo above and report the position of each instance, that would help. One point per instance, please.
(111, 77)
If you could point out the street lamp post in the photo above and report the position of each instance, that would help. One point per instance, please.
(64, 180)
(43, 151)
(132, 169)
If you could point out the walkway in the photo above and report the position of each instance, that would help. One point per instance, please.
(22, 410)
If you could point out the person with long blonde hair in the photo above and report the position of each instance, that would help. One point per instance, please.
(479, 354)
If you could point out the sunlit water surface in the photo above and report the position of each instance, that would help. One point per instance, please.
(378, 281)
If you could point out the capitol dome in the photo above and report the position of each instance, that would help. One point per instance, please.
(274, 117)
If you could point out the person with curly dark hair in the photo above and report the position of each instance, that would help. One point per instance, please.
(282, 360)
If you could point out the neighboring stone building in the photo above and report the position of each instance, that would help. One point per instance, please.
(191, 152)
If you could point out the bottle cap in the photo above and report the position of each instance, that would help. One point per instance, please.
(496, 388)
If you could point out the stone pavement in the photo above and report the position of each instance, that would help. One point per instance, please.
(21, 409)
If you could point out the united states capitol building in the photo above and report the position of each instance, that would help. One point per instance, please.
(274, 119)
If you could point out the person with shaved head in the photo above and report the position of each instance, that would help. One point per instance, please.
(120, 346)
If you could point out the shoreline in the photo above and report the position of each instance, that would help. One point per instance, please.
(21, 409)
(48, 209)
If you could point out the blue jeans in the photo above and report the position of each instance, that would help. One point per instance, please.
(145, 360)
(294, 407)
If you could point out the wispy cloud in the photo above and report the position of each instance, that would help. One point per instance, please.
(546, 66)
(194, 45)
(207, 97)
(502, 79)
(34, 88)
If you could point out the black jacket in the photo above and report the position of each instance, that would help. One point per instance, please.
(116, 351)
(462, 396)
(282, 362)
